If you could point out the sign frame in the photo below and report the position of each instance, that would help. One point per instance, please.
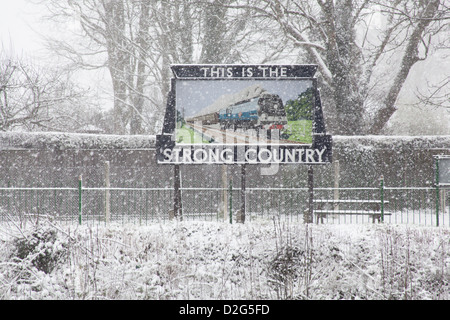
(318, 152)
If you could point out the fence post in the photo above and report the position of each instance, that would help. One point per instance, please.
(336, 184)
(224, 192)
(437, 192)
(79, 198)
(382, 198)
(230, 196)
(309, 217)
(242, 213)
(8, 197)
(107, 193)
(178, 211)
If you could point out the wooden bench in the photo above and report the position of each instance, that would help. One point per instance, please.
(376, 213)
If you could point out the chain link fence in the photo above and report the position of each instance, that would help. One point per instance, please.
(410, 205)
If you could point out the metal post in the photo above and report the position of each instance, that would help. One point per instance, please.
(224, 191)
(437, 192)
(177, 193)
(230, 196)
(79, 198)
(310, 213)
(107, 193)
(336, 184)
(382, 197)
(10, 194)
(242, 213)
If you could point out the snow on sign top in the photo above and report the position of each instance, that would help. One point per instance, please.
(243, 71)
(236, 114)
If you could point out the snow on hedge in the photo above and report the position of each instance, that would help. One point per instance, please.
(391, 142)
(61, 141)
(267, 259)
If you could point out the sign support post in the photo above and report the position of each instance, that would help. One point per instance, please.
(310, 212)
(224, 191)
(178, 212)
(242, 212)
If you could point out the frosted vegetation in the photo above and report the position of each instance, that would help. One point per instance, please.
(61, 140)
(267, 259)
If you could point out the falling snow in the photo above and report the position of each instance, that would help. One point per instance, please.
(266, 259)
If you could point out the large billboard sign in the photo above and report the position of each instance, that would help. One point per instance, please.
(239, 114)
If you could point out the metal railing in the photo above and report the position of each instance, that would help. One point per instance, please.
(410, 205)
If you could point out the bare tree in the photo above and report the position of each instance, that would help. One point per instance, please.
(137, 40)
(112, 35)
(206, 31)
(29, 95)
(421, 21)
(329, 33)
(437, 95)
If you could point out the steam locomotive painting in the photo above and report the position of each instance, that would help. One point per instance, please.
(265, 111)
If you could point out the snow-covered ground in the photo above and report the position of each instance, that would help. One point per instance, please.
(263, 259)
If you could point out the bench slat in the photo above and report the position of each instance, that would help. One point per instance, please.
(348, 201)
(360, 212)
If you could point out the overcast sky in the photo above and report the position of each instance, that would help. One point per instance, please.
(18, 21)
(21, 29)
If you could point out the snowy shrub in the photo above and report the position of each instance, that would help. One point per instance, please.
(286, 267)
(412, 263)
(64, 141)
(41, 248)
(290, 267)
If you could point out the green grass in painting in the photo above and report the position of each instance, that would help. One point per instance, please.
(185, 134)
(299, 131)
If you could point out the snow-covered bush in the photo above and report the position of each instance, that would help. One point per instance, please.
(285, 268)
(67, 141)
(42, 248)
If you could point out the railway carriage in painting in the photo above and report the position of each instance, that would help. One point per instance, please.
(265, 111)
